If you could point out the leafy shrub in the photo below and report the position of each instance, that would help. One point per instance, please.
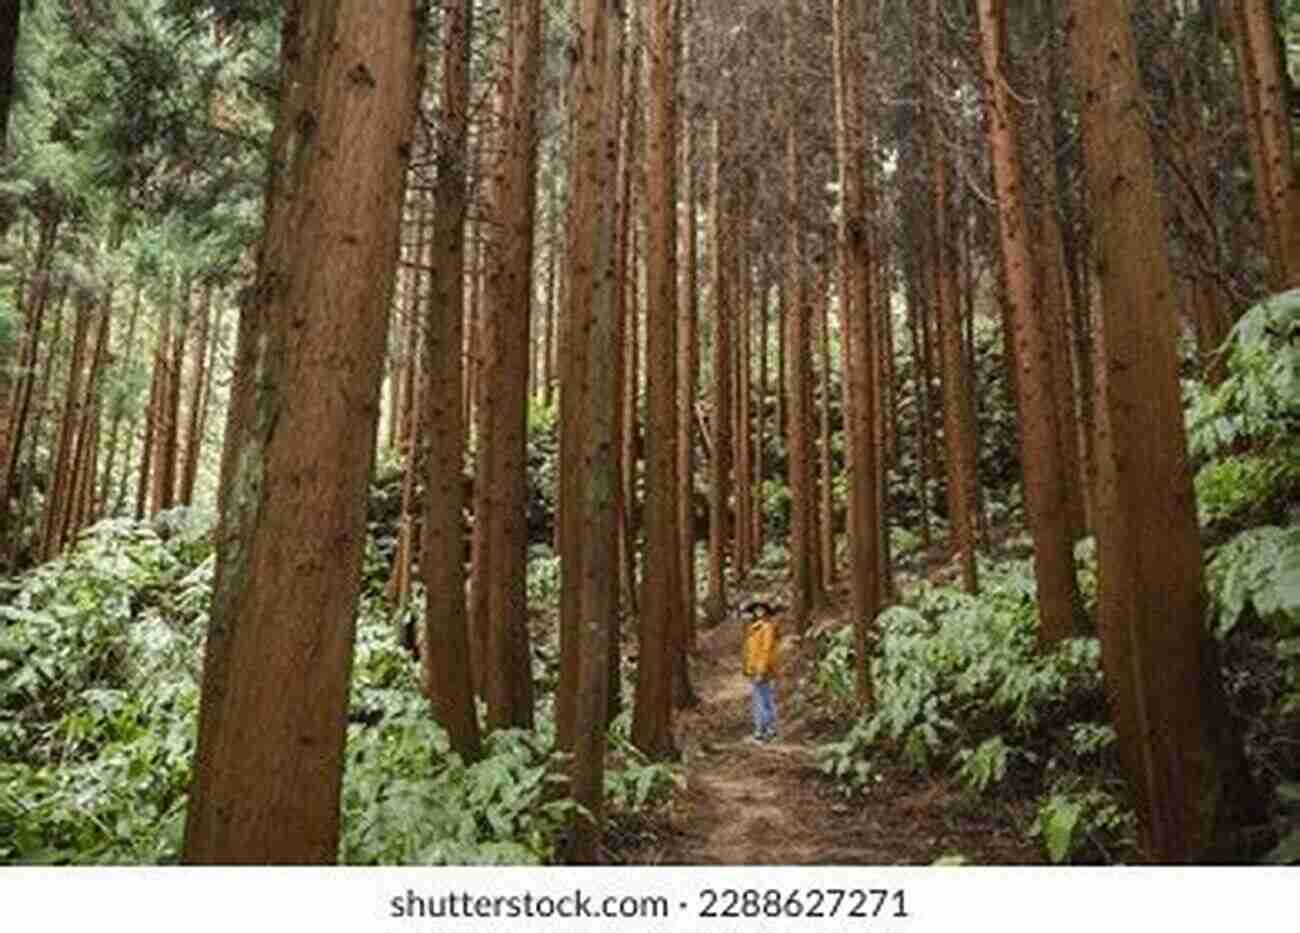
(834, 678)
(632, 781)
(1257, 571)
(99, 673)
(1227, 488)
(1257, 574)
(1259, 401)
(1073, 818)
(961, 684)
(543, 580)
(99, 696)
(408, 799)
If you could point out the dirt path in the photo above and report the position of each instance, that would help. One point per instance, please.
(745, 803)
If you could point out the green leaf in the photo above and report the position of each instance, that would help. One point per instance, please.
(1058, 828)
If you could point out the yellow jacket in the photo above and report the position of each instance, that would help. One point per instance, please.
(759, 656)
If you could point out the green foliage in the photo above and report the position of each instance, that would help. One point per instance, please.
(775, 501)
(543, 467)
(99, 672)
(1259, 401)
(961, 685)
(1257, 575)
(543, 581)
(834, 677)
(985, 764)
(903, 541)
(1072, 818)
(637, 782)
(407, 799)
(1258, 570)
(774, 558)
(98, 697)
(1234, 485)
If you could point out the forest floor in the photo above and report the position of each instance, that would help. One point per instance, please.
(744, 803)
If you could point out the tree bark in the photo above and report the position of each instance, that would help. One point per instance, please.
(958, 431)
(858, 334)
(688, 350)
(300, 440)
(198, 398)
(1259, 42)
(445, 657)
(720, 463)
(509, 682)
(798, 433)
(1189, 779)
(1043, 475)
(596, 81)
(69, 428)
(661, 603)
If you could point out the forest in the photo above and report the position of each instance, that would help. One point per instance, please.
(406, 405)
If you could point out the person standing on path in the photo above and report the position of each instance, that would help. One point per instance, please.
(759, 664)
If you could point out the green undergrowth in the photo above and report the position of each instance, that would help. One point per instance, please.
(962, 689)
(100, 661)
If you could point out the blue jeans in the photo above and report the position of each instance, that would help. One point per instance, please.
(764, 705)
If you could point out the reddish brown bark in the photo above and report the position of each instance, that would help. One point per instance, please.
(300, 446)
(858, 334)
(56, 502)
(1191, 786)
(721, 423)
(198, 398)
(661, 603)
(1044, 478)
(445, 655)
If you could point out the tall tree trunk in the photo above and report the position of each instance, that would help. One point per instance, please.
(760, 418)
(825, 523)
(118, 414)
(743, 457)
(661, 608)
(198, 398)
(1259, 44)
(720, 486)
(630, 303)
(881, 356)
(409, 428)
(589, 72)
(18, 408)
(597, 90)
(27, 476)
(858, 336)
(69, 428)
(921, 393)
(159, 478)
(802, 494)
(1187, 773)
(958, 432)
(1043, 475)
(547, 368)
(445, 655)
(509, 292)
(77, 505)
(688, 346)
(300, 446)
